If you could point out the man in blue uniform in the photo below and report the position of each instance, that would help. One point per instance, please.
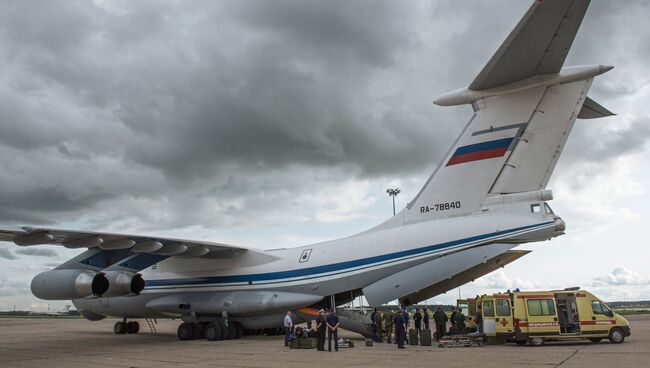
(400, 334)
(320, 330)
(332, 330)
(425, 318)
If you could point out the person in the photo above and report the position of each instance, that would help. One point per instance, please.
(332, 330)
(389, 326)
(440, 319)
(479, 320)
(379, 320)
(460, 322)
(373, 320)
(405, 317)
(288, 325)
(400, 334)
(417, 319)
(425, 318)
(320, 330)
(452, 318)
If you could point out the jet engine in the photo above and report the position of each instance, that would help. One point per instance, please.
(123, 283)
(69, 284)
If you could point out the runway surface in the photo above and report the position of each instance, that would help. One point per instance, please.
(79, 343)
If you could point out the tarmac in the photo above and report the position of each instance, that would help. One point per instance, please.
(53, 342)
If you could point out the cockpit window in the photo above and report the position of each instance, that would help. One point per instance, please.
(535, 208)
(548, 209)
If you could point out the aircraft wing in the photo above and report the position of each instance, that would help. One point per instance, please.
(538, 44)
(111, 242)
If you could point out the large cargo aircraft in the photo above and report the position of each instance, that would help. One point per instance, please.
(487, 196)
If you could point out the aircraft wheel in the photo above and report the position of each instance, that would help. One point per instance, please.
(119, 328)
(184, 331)
(213, 331)
(616, 335)
(232, 331)
(198, 330)
(239, 330)
(536, 341)
(132, 327)
(595, 340)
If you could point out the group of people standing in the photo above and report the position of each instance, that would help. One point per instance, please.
(386, 323)
(325, 324)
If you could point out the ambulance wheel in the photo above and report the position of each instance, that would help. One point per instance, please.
(185, 331)
(119, 328)
(616, 335)
(536, 341)
(595, 340)
(520, 342)
(213, 331)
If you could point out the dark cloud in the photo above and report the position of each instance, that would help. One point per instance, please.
(37, 252)
(166, 114)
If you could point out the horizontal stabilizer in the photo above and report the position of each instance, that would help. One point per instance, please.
(593, 110)
(464, 277)
(538, 44)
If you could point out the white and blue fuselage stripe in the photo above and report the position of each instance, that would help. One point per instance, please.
(339, 268)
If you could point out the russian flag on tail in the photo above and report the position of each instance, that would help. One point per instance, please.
(480, 151)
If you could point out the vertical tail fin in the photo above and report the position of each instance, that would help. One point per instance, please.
(525, 105)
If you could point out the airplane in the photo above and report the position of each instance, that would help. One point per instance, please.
(487, 196)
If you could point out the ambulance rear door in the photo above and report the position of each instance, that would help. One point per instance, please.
(489, 316)
(504, 325)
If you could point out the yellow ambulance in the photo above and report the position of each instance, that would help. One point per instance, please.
(536, 316)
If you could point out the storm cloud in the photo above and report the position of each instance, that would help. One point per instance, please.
(149, 115)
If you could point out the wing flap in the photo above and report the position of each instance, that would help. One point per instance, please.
(28, 236)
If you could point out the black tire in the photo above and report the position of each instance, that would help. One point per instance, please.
(616, 335)
(232, 331)
(595, 340)
(185, 332)
(536, 341)
(198, 331)
(132, 327)
(213, 331)
(239, 330)
(119, 328)
(521, 342)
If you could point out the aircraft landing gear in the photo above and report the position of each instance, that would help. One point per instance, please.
(212, 331)
(125, 327)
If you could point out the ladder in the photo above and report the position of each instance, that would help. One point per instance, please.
(152, 325)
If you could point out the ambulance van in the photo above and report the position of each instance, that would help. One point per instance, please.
(536, 316)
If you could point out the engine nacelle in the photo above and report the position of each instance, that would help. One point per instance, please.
(68, 284)
(123, 283)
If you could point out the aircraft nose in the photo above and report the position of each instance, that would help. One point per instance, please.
(560, 225)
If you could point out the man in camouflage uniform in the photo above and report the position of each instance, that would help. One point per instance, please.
(389, 325)
(379, 319)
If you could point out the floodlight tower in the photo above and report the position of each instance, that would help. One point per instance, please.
(393, 192)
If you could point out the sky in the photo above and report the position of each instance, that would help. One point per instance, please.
(281, 123)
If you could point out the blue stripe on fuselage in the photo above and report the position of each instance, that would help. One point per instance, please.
(303, 272)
